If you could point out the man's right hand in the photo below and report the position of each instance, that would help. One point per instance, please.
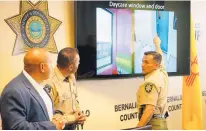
(157, 41)
(80, 117)
(59, 121)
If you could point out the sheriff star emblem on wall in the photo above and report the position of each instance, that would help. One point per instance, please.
(33, 27)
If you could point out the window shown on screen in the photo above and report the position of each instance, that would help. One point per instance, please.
(104, 38)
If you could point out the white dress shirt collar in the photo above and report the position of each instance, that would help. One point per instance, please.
(40, 89)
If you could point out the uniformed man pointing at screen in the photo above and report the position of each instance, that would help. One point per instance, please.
(152, 93)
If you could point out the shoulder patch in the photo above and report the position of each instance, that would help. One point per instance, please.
(148, 87)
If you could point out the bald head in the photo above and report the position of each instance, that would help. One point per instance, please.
(36, 61)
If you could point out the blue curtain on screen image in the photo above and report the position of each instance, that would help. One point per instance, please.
(162, 20)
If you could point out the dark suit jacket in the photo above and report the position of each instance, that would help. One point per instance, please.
(22, 108)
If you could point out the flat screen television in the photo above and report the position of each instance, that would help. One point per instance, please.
(112, 36)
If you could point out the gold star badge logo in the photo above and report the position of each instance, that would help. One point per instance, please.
(33, 27)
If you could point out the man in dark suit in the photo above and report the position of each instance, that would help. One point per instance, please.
(24, 103)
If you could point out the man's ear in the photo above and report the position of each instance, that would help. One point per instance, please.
(42, 67)
(158, 65)
(71, 67)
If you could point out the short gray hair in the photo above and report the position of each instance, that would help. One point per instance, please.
(156, 56)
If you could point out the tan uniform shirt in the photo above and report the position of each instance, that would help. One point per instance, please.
(154, 91)
(64, 95)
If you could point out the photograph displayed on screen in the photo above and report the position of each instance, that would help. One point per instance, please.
(112, 36)
(123, 35)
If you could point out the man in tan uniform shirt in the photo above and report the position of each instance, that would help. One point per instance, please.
(152, 94)
(62, 88)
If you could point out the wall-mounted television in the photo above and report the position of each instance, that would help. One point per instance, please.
(112, 36)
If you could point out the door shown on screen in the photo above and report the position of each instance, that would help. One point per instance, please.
(114, 41)
(104, 38)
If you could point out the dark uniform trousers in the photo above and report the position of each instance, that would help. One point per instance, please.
(70, 127)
